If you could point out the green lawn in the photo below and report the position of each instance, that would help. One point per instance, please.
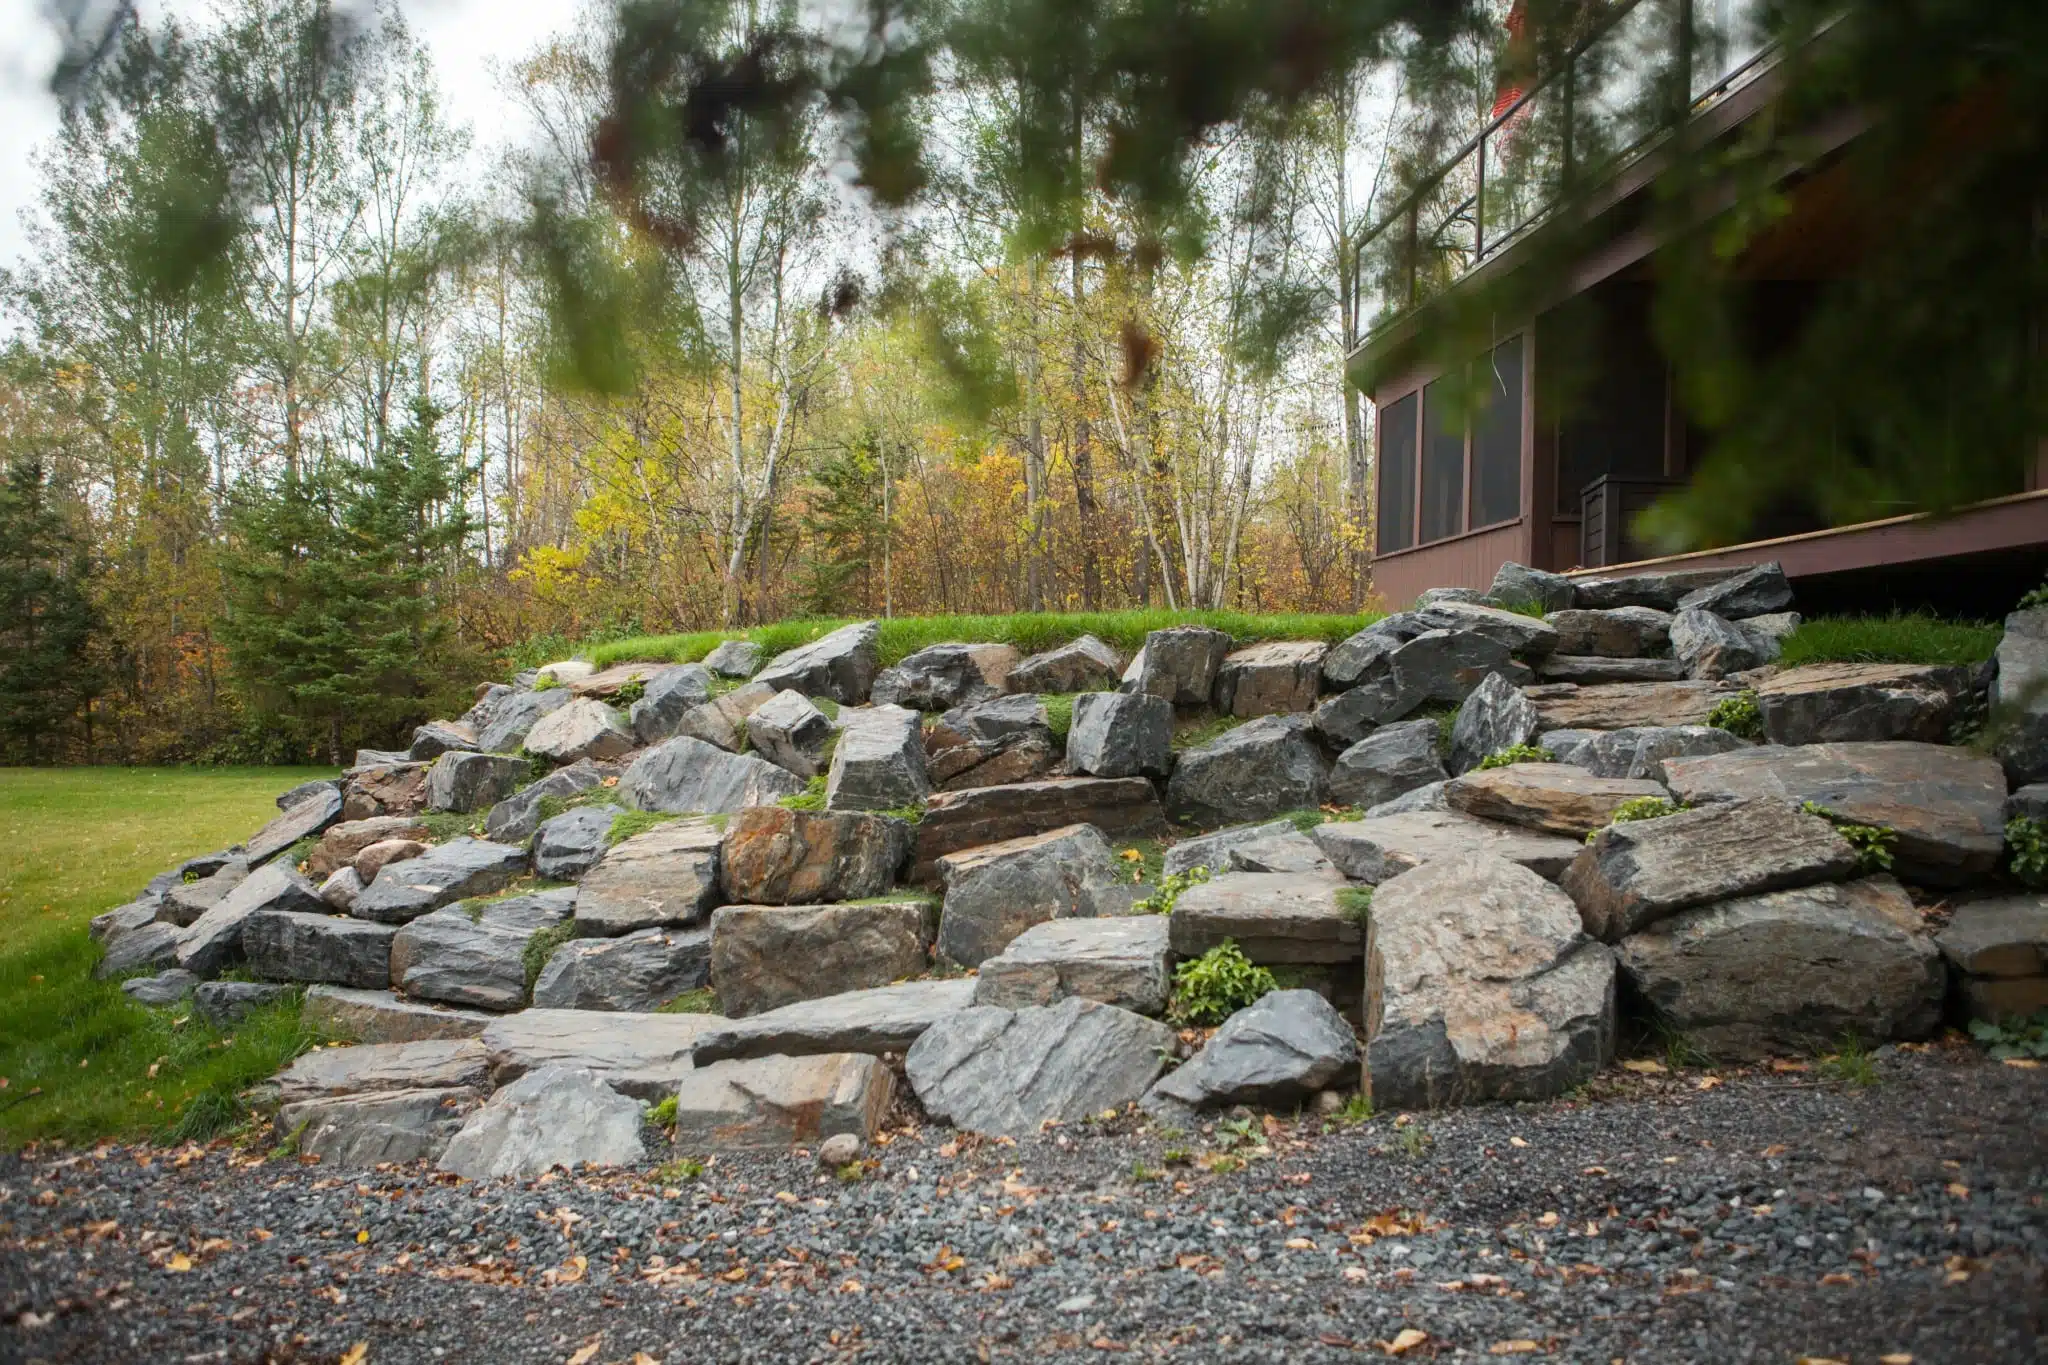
(1901, 638)
(75, 1054)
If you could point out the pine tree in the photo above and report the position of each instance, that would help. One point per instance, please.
(47, 621)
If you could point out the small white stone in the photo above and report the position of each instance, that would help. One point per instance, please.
(839, 1150)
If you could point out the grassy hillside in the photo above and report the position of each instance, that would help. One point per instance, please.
(1029, 631)
(76, 1054)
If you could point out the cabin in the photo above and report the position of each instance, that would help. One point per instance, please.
(1542, 445)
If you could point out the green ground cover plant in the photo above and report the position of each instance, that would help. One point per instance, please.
(1210, 988)
(79, 841)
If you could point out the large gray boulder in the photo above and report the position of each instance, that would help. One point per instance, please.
(1179, 664)
(1118, 960)
(767, 956)
(1349, 662)
(309, 817)
(359, 1132)
(770, 1104)
(2030, 802)
(1288, 852)
(791, 733)
(1260, 768)
(1349, 716)
(1791, 971)
(1752, 592)
(1519, 586)
(1274, 1054)
(1276, 918)
(640, 971)
(585, 728)
(488, 698)
(1526, 635)
(1495, 717)
(572, 843)
(1616, 633)
(145, 947)
(1480, 986)
(1770, 631)
(1442, 666)
(553, 1116)
(167, 987)
(2003, 936)
(398, 788)
(1388, 763)
(371, 1068)
(722, 721)
(462, 782)
(991, 743)
(1638, 751)
(1271, 679)
(687, 776)
(841, 665)
(1947, 805)
(215, 939)
(665, 698)
(382, 1017)
(224, 1003)
(291, 796)
(642, 1055)
(1711, 646)
(517, 714)
(1118, 734)
(879, 761)
(2019, 696)
(456, 870)
(1827, 703)
(667, 876)
(477, 959)
(1660, 591)
(1553, 798)
(1213, 850)
(774, 856)
(1633, 875)
(1084, 665)
(878, 1021)
(185, 903)
(941, 677)
(996, 891)
(1121, 807)
(735, 659)
(519, 815)
(291, 945)
(1619, 706)
(1382, 847)
(438, 737)
(1006, 1073)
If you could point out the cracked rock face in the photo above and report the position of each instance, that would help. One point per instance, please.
(997, 891)
(552, 1116)
(1276, 1053)
(766, 956)
(1261, 768)
(1004, 1073)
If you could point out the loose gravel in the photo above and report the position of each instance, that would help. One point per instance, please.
(1767, 1217)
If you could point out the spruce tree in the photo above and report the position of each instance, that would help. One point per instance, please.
(47, 621)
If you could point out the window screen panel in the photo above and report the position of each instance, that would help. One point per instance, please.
(1443, 464)
(1397, 475)
(1497, 438)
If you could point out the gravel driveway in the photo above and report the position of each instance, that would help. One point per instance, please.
(1769, 1217)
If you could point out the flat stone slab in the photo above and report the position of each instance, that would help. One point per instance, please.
(214, 940)
(773, 1103)
(432, 1065)
(356, 1132)
(1213, 850)
(165, 988)
(285, 945)
(1006, 1073)
(639, 1054)
(1843, 702)
(1289, 852)
(879, 1021)
(667, 876)
(514, 716)
(1617, 706)
(1119, 961)
(382, 1017)
(1791, 972)
(1275, 917)
(766, 956)
(2005, 936)
(1551, 798)
(1615, 633)
(221, 1003)
(1662, 591)
(735, 659)
(940, 677)
(1632, 875)
(1586, 668)
(465, 782)
(319, 809)
(2005, 998)
(1638, 751)
(1947, 804)
(1382, 847)
(456, 870)
(552, 1116)
(585, 728)
(641, 971)
(151, 945)
(1118, 806)
(606, 682)
(1277, 1052)
(685, 775)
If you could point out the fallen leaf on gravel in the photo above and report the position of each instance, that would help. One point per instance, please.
(586, 1352)
(1357, 1274)
(1707, 1082)
(1958, 1189)
(1837, 1277)
(1520, 1346)
(1406, 1340)
(1300, 1244)
(179, 1263)
(852, 1287)
(642, 1358)
(1517, 1142)
(362, 1237)
(1548, 1220)
(1645, 1067)
(2023, 1063)
(356, 1354)
(1594, 1170)
(1821, 1360)
(1780, 1064)
(1776, 1149)
(1896, 1358)
(1105, 1344)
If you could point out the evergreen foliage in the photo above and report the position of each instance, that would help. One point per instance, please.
(48, 673)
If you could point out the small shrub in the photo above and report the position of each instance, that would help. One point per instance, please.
(2026, 841)
(1446, 725)
(205, 1117)
(534, 957)
(1873, 843)
(630, 693)
(629, 823)
(1414, 1140)
(1738, 715)
(1176, 1156)
(1355, 904)
(1161, 901)
(1517, 753)
(1209, 989)
(1358, 1109)
(2021, 1038)
(852, 1173)
(1143, 1174)
(812, 797)
(663, 1115)
(1531, 608)
(2036, 597)
(302, 850)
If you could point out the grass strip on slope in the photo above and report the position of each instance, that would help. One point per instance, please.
(1901, 638)
(76, 1053)
(1030, 632)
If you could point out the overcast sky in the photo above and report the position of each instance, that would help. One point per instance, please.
(465, 37)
